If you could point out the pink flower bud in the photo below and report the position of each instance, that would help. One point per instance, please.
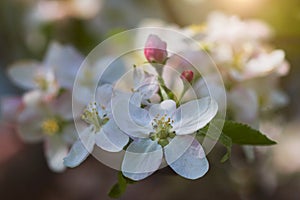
(155, 49)
(187, 75)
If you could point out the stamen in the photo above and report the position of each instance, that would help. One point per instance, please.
(51, 126)
(163, 130)
(91, 116)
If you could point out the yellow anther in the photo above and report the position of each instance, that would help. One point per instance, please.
(50, 126)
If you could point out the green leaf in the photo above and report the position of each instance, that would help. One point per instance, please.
(233, 133)
(245, 135)
(119, 188)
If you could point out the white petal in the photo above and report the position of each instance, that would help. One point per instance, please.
(80, 149)
(145, 84)
(138, 76)
(104, 94)
(55, 150)
(177, 146)
(22, 73)
(33, 98)
(65, 61)
(83, 94)
(123, 116)
(147, 90)
(142, 158)
(192, 164)
(194, 115)
(111, 138)
(139, 116)
(264, 63)
(29, 124)
(110, 69)
(167, 107)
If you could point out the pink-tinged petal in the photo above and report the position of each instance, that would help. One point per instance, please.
(264, 63)
(65, 60)
(194, 115)
(262, 30)
(165, 108)
(283, 69)
(155, 49)
(33, 98)
(23, 73)
(11, 107)
(192, 164)
(111, 138)
(81, 149)
(142, 158)
(55, 151)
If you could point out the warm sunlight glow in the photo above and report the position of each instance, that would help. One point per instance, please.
(242, 7)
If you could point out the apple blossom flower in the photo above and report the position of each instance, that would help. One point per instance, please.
(232, 30)
(164, 131)
(101, 130)
(58, 70)
(45, 11)
(262, 65)
(239, 51)
(155, 50)
(51, 122)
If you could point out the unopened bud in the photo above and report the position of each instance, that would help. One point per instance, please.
(155, 50)
(187, 75)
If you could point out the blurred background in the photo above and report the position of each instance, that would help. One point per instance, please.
(27, 27)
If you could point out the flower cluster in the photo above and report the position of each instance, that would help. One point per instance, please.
(249, 66)
(159, 120)
(45, 110)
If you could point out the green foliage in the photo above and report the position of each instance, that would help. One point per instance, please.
(245, 135)
(234, 133)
